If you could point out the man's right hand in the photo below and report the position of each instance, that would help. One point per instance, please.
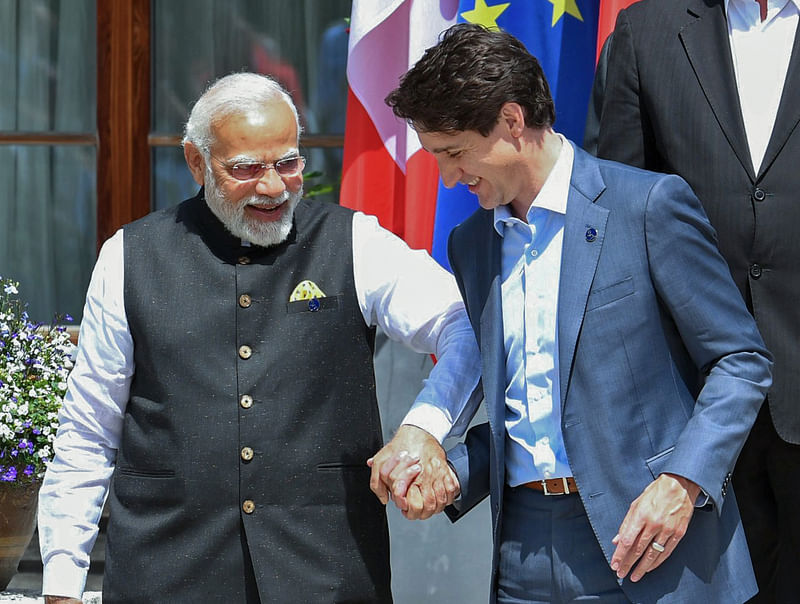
(412, 469)
(61, 600)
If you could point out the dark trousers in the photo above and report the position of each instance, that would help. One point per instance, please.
(549, 553)
(767, 484)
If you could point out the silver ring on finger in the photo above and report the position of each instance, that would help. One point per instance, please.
(657, 546)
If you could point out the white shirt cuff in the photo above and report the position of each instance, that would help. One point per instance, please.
(62, 577)
(430, 418)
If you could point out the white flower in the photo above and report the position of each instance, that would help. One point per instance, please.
(34, 366)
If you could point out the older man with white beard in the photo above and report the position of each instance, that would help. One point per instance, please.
(223, 395)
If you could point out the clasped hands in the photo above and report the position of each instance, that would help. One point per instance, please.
(412, 471)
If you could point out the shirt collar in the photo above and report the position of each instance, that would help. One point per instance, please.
(553, 194)
(771, 6)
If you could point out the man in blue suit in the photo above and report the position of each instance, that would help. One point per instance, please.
(621, 369)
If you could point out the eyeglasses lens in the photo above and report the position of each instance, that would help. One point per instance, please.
(247, 171)
(289, 166)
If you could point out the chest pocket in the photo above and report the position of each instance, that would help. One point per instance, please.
(607, 294)
(325, 304)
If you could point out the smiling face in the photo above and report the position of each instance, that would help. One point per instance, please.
(493, 166)
(258, 210)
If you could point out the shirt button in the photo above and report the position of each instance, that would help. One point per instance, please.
(759, 194)
(534, 253)
(245, 352)
(248, 506)
(246, 401)
(247, 453)
(243, 260)
(245, 301)
(755, 271)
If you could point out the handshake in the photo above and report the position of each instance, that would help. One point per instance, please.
(412, 471)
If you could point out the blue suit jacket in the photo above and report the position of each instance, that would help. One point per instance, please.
(662, 369)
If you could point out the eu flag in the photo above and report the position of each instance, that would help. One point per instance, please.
(562, 34)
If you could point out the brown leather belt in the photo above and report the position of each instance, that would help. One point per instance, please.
(553, 486)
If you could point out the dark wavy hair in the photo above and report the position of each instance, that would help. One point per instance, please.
(463, 81)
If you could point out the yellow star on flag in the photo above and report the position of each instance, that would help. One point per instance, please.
(564, 6)
(485, 15)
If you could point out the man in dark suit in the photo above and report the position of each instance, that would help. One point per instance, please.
(710, 90)
(621, 370)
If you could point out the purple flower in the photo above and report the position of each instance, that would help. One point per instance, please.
(36, 431)
(28, 470)
(68, 317)
(9, 475)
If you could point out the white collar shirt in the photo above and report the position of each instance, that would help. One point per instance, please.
(761, 51)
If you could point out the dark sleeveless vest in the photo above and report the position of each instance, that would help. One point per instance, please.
(242, 460)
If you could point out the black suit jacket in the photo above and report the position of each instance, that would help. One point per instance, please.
(671, 105)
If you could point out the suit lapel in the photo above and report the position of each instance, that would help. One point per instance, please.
(488, 298)
(584, 233)
(789, 108)
(491, 332)
(705, 40)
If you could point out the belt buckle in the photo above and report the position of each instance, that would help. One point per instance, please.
(549, 493)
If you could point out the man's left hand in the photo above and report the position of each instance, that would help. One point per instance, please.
(654, 525)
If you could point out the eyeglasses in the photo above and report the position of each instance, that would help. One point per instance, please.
(252, 170)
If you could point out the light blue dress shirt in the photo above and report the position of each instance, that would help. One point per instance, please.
(531, 264)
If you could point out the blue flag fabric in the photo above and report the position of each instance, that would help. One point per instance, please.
(562, 34)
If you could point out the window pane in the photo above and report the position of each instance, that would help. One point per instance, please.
(303, 44)
(48, 231)
(172, 181)
(47, 65)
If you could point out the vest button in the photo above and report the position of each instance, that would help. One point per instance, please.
(247, 453)
(243, 260)
(759, 194)
(245, 352)
(248, 506)
(245, 301)
(755, 271)
(246, 401)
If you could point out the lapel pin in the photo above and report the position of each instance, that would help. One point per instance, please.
(313, 304)
(591, 234)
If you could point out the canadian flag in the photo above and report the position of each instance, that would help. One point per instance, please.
(384, 170)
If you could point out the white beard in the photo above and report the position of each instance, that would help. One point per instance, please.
(232, 215)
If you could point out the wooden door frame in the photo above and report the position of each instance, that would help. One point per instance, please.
(123, 113)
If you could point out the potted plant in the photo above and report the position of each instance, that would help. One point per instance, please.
(34, 364)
